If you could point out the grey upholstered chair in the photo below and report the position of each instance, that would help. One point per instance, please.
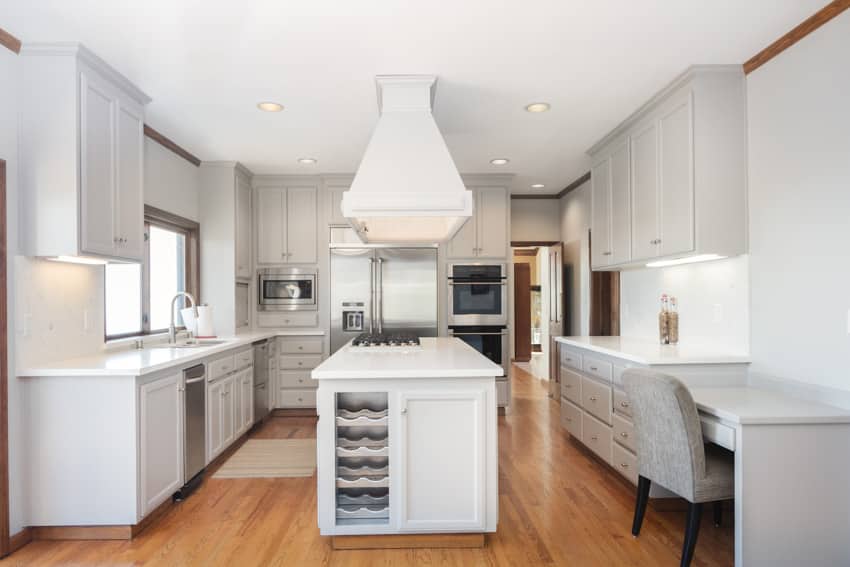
(671, 452)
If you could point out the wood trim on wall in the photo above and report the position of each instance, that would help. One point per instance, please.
(524, 252)
(561, 193)
(527, 243)
(9, 41)
(4, 375)
(171, 145)
(575, 184)
(819, 18)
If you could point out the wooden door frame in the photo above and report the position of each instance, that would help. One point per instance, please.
(4, 373)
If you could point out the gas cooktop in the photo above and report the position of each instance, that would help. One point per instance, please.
(371, 340)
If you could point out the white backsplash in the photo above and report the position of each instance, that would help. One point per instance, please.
(713, 301)
(59, 310)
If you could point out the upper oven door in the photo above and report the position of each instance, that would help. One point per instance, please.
(474, 302)
(287, 291)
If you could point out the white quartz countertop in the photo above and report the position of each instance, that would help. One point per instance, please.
(128, 361)
(441, 357)
(645, 351)
(749, 405)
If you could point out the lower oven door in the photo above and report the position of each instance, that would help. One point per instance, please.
(491, 341)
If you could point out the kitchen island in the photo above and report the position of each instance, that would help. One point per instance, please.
(407, 440)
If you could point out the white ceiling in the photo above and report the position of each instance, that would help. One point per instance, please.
(206, 63)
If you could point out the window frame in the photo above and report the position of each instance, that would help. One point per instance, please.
(191, 231)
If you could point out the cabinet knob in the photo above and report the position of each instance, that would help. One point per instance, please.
(403, 410)
(606, 253)
(624, 465)
(592, 398)
(624, 435)
(624, 404)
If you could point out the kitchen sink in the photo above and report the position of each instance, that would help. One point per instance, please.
(195, 343)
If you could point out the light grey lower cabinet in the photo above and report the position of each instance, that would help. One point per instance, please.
(298, 356)
(596, 412)
(160, 441)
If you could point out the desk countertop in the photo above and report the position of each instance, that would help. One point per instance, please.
(747, 405)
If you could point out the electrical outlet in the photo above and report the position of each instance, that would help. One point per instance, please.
(717, 313)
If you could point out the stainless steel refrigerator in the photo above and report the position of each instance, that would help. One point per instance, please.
(382, 289)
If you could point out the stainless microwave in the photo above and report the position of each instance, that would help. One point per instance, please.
(287, 289)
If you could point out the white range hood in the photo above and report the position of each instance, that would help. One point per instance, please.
(407, 188)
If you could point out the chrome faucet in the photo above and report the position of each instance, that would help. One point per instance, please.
(172, 330)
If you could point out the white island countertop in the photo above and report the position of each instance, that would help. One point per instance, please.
(128, 361)
(436, 357)
(649, 352)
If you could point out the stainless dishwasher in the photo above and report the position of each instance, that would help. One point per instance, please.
(194, 429)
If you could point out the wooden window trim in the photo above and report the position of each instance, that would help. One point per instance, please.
(191, 230)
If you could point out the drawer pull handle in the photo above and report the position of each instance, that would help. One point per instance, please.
(594, 368)
(568, 385)
(624, 435)
(624, 465)
(592, 398)
(569, 419)
(594, 438)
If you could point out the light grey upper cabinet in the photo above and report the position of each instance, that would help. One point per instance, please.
(82, 161)
(485, 234)
(674, 174)
(287, 225)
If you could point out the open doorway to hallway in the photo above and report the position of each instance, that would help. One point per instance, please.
(538, 305)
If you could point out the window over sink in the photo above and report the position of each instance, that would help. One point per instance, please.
(137, 296)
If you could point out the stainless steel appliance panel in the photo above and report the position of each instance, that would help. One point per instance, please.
(352, 284)
(492, 342)
(195, 420)
(477, 294)
(261, 378)
(287, 289)
(407, 291)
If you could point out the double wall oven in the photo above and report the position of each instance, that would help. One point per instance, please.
(478, 308)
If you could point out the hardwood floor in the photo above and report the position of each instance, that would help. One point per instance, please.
(558, 506)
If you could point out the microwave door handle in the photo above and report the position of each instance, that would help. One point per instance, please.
(371, 295)
(380, 302)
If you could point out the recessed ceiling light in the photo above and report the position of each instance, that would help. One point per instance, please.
(270, 106)
(538, 107)
(499, 161)
(538, 186)
(307, 160)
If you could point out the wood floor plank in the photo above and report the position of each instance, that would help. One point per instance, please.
(557, 506)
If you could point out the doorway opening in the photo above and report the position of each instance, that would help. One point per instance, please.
(538, 305)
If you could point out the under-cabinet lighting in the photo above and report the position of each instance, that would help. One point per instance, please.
(686, 260)
(78, 260)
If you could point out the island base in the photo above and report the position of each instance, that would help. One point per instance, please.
(409, 541)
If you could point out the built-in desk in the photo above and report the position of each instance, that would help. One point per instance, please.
(792, 474)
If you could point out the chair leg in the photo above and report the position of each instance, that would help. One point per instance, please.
(718, 513)
(640, 506)
(691, 532)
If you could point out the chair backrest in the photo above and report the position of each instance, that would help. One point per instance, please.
(669, 436)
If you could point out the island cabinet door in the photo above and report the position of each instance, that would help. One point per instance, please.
(442, 465)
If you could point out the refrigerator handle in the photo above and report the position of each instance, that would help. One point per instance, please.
(371, 296)
(380, 302)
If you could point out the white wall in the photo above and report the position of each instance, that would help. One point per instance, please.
(799, 201)
(713, 299)
(171, 183)
(535, 219)
(575, 224)
(9, 151)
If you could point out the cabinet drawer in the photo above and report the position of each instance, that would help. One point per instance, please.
(288, 319)
(570, 385)
(597, 436)
(571, 418)
(296, 398)
(596, 399)
(294, 362)
(598, 368)
(296, 379)
(625, 463)
(621, 403)
(716, 432)
(220, 367)
(244, 359)
(624, 433)
(301, 345)
(570, 358)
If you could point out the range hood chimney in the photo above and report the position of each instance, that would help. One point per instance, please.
(407, 188)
